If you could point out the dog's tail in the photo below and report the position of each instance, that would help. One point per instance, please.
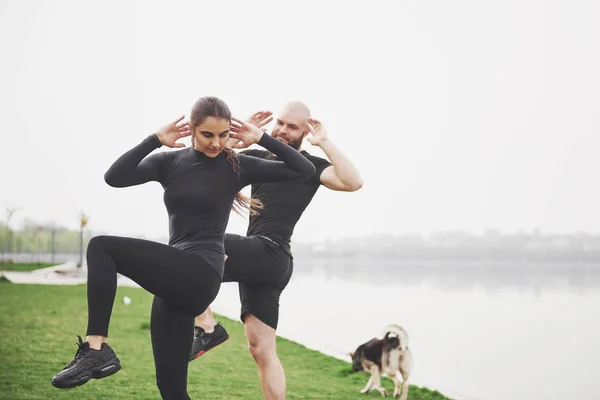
(396, 331)
(393, 329)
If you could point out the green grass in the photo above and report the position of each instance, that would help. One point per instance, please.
(38, 328)
(23, 266)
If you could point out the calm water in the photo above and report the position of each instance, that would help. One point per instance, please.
(485, 331)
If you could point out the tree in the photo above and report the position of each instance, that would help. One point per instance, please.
(9, 213)
(83, 220)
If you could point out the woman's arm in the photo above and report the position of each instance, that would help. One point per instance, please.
(132, 168)
(293, 165)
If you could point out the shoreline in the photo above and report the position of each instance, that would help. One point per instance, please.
(69, 274)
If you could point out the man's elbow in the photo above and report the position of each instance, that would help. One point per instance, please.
(355, 185)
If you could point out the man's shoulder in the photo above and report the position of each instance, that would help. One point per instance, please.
(314, 159)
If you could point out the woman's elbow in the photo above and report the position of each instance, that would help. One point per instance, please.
(308, 171)
(112, 180)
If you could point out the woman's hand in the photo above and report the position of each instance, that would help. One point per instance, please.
(171, 133)
(247, 133)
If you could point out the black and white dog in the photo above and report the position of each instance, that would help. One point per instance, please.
(388, 356)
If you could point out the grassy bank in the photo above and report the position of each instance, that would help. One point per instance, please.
(23, 266)
(39, 324)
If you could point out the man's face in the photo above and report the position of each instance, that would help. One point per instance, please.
(290, 128)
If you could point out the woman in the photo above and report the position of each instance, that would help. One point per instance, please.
(200, 186)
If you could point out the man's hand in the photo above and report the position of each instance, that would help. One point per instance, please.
(260, 118)
(318, 132)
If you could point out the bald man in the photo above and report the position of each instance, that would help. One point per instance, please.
(262, 261)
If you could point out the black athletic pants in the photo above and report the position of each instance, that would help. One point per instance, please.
(184, 284)
(263, 270)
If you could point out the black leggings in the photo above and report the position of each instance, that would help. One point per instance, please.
(184, 284)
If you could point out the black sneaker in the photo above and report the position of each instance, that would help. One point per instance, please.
(87, 364)
(203, 341)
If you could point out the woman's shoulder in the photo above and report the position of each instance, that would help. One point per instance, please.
(255, 153)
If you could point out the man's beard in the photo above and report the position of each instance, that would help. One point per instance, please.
(296, 144)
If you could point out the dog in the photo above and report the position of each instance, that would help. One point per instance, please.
(388, 356)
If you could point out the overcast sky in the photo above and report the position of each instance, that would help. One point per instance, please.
(462, 115)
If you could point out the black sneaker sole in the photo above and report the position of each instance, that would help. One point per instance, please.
(210, 348)
(99, 372)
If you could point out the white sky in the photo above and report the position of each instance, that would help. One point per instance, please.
(459, 115)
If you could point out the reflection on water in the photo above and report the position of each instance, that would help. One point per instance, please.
(461, 275)
(487, 331)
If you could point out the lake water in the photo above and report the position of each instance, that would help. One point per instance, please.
(478, 330)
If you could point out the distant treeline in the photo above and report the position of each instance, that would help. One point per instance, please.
(34, 238)
(461, 246)
(535, 246)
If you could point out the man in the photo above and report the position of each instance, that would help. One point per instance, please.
(262, 261)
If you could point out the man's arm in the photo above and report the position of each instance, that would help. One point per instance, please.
(342, 175)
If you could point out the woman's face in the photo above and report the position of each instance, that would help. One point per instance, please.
(211, 136)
